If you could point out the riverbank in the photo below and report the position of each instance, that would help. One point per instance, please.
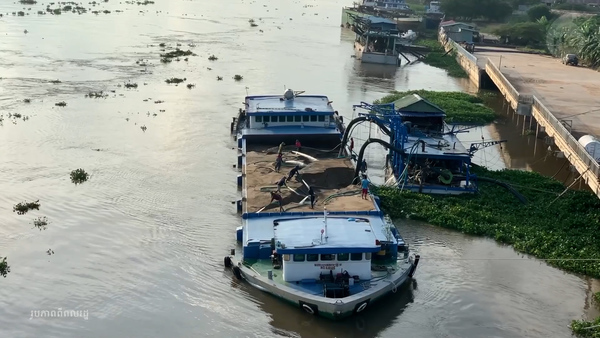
(459, 107)
(560, 227)
(437, 57)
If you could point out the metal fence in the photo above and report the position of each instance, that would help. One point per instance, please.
(583, 155)
(491, 68)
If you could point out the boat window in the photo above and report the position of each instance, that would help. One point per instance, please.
(367, 256)
(356, 256)
(266, 118)
(290, 118)
(321, 118)
(281, 118)
(313, 118)
(298, 257)
(286, 257)
(305, 118)
(258, 118)
(327, 257)
(298, 118)
(343, 256)
(312, 257)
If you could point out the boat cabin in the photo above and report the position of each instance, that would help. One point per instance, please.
(419, 114)
(289, 110)
(311, 248)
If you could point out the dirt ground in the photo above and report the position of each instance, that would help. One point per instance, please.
(328, 176)
(565, 90)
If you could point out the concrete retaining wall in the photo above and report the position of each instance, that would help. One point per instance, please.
(466, 60)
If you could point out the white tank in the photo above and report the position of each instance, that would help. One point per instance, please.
(591, 145)
(288, 95)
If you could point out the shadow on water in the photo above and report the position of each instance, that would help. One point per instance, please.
(290, 321)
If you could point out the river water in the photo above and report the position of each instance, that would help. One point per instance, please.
(138, 248)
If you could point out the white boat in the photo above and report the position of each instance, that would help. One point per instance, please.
(333, 260)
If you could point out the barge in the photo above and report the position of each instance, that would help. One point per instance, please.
(332, 255)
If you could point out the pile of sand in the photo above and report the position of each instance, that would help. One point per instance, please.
(328, 176)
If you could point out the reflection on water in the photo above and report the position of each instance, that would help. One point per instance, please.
(140, 245)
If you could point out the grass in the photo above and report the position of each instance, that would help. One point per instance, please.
(79, 176)
(562, 230)
(23, 207)
(437, 57)
(459, 107)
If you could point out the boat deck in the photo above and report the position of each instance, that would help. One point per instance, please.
(262, 266)
(331, 178)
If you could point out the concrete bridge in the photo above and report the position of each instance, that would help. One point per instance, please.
(563, 100)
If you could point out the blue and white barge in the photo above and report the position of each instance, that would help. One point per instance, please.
(331, 257)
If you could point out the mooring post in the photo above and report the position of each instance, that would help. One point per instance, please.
(530, 121)
(537, 130)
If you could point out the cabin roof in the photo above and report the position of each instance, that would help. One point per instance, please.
(267, 104)
(301, 234)
(379, 20)
(415, 105)
(446, 147)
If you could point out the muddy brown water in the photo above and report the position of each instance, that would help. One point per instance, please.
(139, 246)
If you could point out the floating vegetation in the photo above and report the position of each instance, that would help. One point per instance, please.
(61, 104)
(16, 115)
(253, 25)
(27, 100)
(96, 95)
(585, 328)
(55, 81)
(165, 60)
(79, 176)
(40, 223)
(564, 229)
(459, 107)
(143, 128)
(50, 252)
(4, 267)
(437, 57)
(28, 2)
(160, 101)
(213, 58)
(176, 53)
(175, 80)
(57, 11)
(238, 77)
(23, 207)
(191, 85)
(131, 85)
(219, 78)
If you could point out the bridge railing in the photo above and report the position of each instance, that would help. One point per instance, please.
(491, 67)
(583, 155)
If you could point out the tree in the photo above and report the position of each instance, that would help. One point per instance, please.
(536, 12)
(585, 39)
(495, 10)
(523, 34)
(4, 267)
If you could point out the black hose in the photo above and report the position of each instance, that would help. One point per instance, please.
(364, 146)
(358, 120)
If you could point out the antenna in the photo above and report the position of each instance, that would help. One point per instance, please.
(325, 221)
(247, 91)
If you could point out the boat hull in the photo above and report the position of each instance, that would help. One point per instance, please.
(378, 58)
(332, 308)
